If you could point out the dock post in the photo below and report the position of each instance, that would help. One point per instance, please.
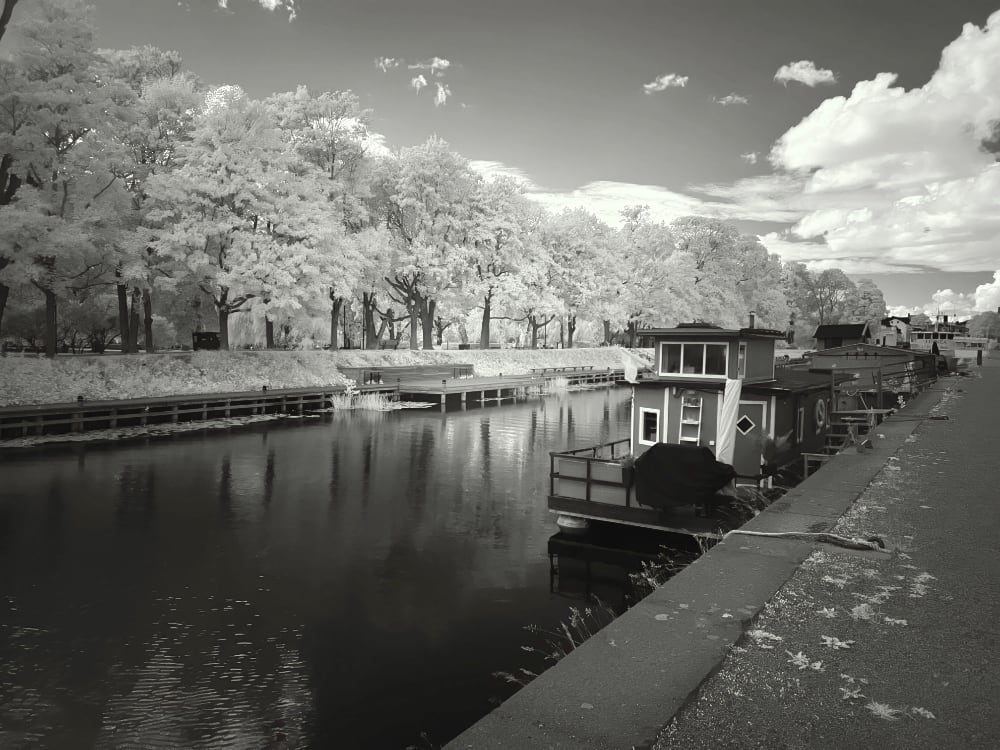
(173, 414)
(462, 397)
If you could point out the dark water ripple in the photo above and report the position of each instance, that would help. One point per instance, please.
(350, 582)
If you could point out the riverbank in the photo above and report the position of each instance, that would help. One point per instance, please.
(35, 380)
(778, 622)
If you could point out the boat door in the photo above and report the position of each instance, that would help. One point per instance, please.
(751, 425)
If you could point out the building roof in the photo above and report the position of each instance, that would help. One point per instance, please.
(841, 331)
(694, 331)
(900, 318)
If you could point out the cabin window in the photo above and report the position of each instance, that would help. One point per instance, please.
(672, 358)
(715, 359)
(694, 359)
(741, 362)
(649, 426)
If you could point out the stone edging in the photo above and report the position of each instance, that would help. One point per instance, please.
(621, 687)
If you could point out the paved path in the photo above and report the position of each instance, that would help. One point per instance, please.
(917, 633)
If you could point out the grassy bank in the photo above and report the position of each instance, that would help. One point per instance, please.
(35, 380)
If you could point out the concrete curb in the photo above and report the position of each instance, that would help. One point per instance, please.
(621, 687)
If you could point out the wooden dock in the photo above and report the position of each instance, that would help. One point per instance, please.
(457, 386)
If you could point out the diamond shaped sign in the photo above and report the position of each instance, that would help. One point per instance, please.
(745, 424)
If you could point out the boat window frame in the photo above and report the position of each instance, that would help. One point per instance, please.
(643, 410)
(704, 357)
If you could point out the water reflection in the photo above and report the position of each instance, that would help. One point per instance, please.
(341, 583)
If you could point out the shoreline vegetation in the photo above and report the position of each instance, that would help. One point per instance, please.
(32, 380)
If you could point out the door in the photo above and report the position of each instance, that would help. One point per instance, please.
(751, 427)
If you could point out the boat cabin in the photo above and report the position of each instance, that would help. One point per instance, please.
(842, 334)
(875, 375)
(698, 368)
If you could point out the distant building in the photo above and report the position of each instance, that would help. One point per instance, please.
(894, 331)
(842, 334)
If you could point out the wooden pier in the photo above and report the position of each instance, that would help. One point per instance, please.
(458, 386)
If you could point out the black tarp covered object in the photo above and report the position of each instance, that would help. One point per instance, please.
(668, 475)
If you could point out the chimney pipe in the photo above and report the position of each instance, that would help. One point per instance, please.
(753, 318)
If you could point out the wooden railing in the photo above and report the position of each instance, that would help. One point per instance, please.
(588, 466)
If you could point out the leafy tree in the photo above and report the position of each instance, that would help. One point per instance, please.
(865, 304)
(504, 225)
(241, 212)
(429, 211)
(58, 169)
(167, 100)
(330, 134)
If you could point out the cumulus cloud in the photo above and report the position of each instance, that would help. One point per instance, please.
(418, 83)
(436, 65)
(750, 157)
(985, 298)
(442, 94)
(728, 99)
(272, 5)
(387, 63)
(664, 82)
(805, 72)
(902, 176)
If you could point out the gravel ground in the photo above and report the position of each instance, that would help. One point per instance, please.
(883, 650)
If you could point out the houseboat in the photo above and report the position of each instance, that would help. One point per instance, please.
(712, 410)
(877, 375)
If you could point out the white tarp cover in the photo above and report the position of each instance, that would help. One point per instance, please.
(725, 441)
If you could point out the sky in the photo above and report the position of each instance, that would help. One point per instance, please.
(848, 134)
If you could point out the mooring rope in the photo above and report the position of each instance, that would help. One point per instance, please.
(869, 542)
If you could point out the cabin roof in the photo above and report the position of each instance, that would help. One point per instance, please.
(797, 381)
(900, 318)
(840, 331)
(694, 331)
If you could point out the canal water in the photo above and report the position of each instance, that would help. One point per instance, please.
(350, 582)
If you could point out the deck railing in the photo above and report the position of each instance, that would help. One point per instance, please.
(599, 469)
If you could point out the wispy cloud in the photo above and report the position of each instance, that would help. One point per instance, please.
(750, 157)
(436, 65)
(418, 83)
(385, 64)
(805, 72)
(272, 5)
(491, 169)
(442, 94)
(664, 82)
(728, 99)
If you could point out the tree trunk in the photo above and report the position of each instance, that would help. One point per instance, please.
(123, 333)
(570, 330)
(562, 334)
(427, 322)
(50, 323)
(133, 322)
(368, 320)
(224, 328)
(607, 332)
(4, 293)
(5, 13)
(533, 328)
(147, 320)
(414, 325)
(335, 304)
(268, 332)
(484, 331)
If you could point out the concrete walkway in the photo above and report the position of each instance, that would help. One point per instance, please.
(776, 643)
(918, 632)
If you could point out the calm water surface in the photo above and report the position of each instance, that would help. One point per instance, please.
(347, 582)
